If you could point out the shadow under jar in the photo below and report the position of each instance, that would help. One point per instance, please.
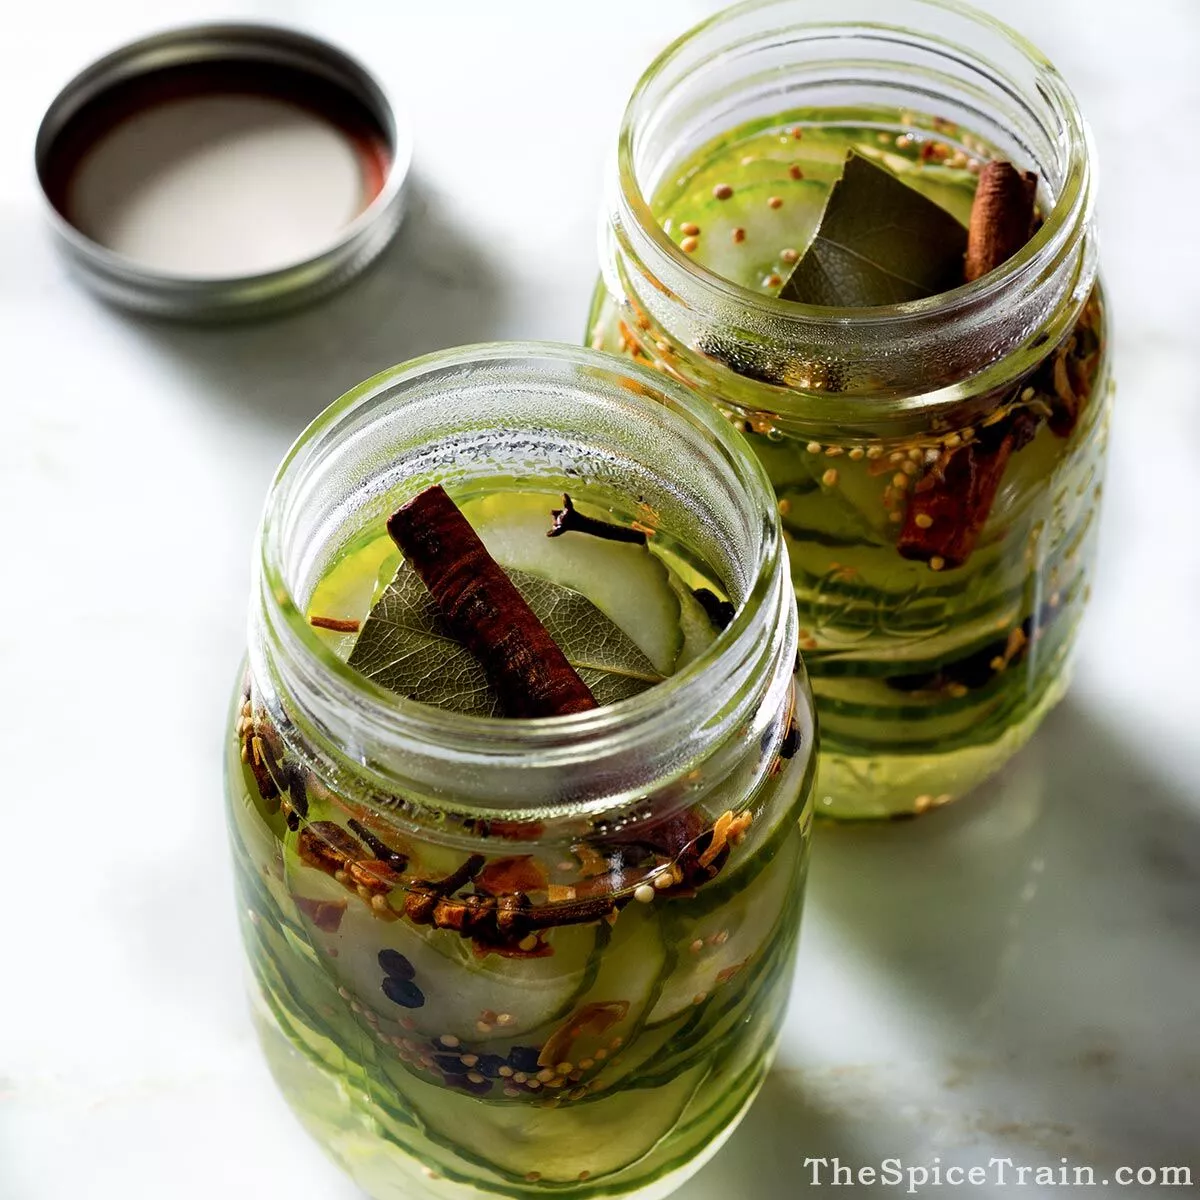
(520, 956)
(937, 463)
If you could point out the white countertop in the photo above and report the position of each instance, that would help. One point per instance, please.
(1016, 977)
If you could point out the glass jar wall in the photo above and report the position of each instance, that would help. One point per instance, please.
(515, 957)
(938, 463)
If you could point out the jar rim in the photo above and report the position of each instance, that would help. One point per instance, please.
(965, 294)
(1072, 203)
(382, 715)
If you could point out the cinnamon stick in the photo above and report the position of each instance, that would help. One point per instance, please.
(951, 503)
(1001, 217)
(485, 611)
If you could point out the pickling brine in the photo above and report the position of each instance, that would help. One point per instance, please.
(488, 956)
(936, 441)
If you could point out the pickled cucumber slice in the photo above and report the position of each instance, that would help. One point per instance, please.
(433, 982)
(715, 1030)
(951, 187)
(291, 982)
(694, 623)
(843, 508)
(650, 1045)
(766, 231)
(561, 1143)
(628, 583)
(714, 949)
(604, 1019)
(352, 585)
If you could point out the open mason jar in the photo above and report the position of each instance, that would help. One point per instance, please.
(937, 463)
(521, 956)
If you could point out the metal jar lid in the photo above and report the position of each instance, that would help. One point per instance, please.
(278, 69)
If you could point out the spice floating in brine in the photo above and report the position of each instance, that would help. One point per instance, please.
(484, 610)
(1002, 217)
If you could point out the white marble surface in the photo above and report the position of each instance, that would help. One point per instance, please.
(1019, 977)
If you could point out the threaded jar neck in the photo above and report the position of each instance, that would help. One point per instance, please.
(547, 418)
(923, 56)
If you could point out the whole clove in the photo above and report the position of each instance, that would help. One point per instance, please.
(569, 519)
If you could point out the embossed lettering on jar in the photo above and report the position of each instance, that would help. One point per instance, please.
(516, 956)
(937, 463)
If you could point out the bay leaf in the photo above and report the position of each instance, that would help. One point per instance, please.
(405, 647)
(879, 242)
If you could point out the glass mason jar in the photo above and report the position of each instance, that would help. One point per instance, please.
(932, 658)
(521, 956)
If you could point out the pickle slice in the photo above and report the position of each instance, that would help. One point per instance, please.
(555, 1144)
(714, 948)
(628, 583)
(755, 253)
(433, 982)
(603, 1021)
(695, 625)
